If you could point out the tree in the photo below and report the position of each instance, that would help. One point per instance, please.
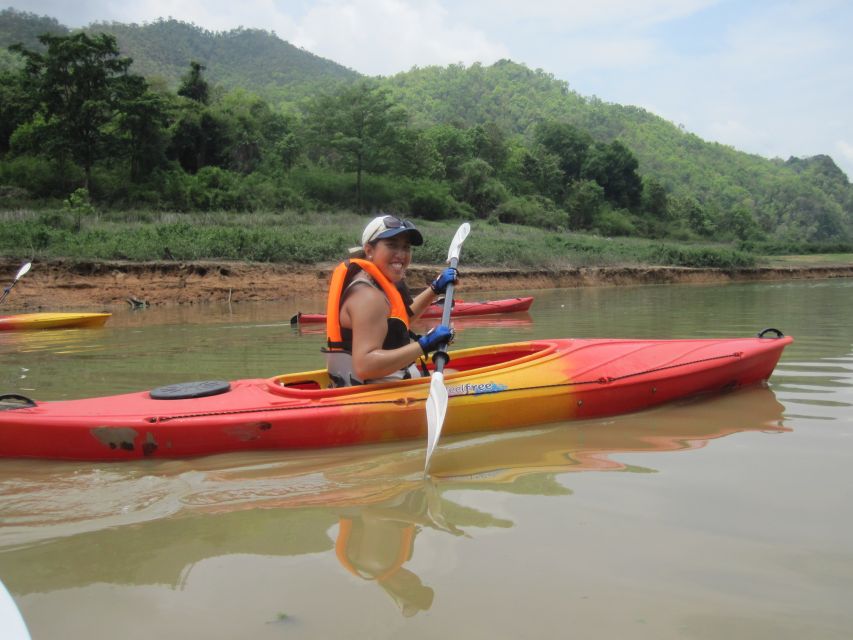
(357, 128)
(539, 172)
(15, 107)
(655, 199)
(479, 188)
(614, 167)
(141, 123)
(489, 143)
(199, 138)
(76, 85)
(193, 86)
(568, 143)
(453, 147)
(584, 203)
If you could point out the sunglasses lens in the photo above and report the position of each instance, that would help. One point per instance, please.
(392, 222)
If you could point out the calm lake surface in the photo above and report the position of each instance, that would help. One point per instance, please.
(725, 517)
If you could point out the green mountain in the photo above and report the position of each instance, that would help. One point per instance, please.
(162, 51)
(253, 59)
(716, 175)
(24, 28)
(778, 194)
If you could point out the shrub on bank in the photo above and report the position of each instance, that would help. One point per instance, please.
(311, 237)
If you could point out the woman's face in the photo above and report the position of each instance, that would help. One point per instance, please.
(391, 255)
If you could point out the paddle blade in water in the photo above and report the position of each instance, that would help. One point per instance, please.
(436, 407)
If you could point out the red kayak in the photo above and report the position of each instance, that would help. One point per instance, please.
(491, 388)
(460, 309)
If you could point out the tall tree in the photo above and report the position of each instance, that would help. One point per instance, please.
(16, 107)
(141, 122)
(76, 84)
(614, 167)
(194, 86)
(568, 143)
(357, 128)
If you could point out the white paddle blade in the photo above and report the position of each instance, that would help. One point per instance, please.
(436, 408)
(456, 244)
(23, 270)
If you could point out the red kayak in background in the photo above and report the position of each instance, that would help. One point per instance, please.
(460, 309)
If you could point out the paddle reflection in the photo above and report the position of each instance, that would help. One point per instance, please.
(70, 525)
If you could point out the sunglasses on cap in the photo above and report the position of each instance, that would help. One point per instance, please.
(393, 222)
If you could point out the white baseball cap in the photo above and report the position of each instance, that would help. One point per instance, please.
(389, 226)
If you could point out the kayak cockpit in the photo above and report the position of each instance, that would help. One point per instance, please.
(462, 362)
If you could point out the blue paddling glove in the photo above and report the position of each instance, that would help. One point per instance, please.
(439, 285)
(436, 337)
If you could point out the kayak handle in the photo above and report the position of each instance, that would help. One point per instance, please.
(778, 333)
(15, 401)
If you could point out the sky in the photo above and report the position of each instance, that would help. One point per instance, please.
(769, 77)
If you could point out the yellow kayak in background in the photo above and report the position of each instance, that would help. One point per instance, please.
(47, 320)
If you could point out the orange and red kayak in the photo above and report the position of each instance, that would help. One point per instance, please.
(460, 309)
(29, 321)
(494, 387)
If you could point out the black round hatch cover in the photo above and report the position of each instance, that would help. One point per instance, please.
(184, 390)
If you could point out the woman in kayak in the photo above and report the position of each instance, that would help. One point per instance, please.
(369, 309)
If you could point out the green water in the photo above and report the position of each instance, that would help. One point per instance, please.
(727, 517)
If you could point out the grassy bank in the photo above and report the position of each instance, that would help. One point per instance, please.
(308, 238)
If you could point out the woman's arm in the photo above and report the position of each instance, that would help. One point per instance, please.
(422, 301)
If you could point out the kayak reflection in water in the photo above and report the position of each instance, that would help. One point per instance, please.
(369, 309)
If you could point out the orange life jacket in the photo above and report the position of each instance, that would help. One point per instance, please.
(398, 316)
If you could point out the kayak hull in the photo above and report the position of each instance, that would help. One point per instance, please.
(494, 388)
(46, 320)
(460, 310)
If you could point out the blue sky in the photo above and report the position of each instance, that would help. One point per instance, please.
(773, 78)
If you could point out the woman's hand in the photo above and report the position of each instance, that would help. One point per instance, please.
(436, 337)
(439, 285)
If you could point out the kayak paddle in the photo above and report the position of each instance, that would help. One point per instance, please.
(436, 404)
(24, 268)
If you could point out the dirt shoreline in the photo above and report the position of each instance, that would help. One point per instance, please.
(61, 284)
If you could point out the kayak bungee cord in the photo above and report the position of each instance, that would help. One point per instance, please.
(409, 400)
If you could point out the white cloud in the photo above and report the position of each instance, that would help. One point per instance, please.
(382, 37)
(845, 149)
(579, 15)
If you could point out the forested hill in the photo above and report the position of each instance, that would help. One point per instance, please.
(25, 28)
(162, 51)
(501, 140)
(249, 58)
(517, 98)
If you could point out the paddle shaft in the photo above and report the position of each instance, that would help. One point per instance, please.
(436, 404)
(440, 357)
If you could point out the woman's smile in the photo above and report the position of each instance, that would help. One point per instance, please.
(393, 256)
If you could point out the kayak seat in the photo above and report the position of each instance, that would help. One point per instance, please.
(305, 381)
(311, 385)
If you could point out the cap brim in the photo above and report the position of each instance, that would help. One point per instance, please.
(416, 238)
